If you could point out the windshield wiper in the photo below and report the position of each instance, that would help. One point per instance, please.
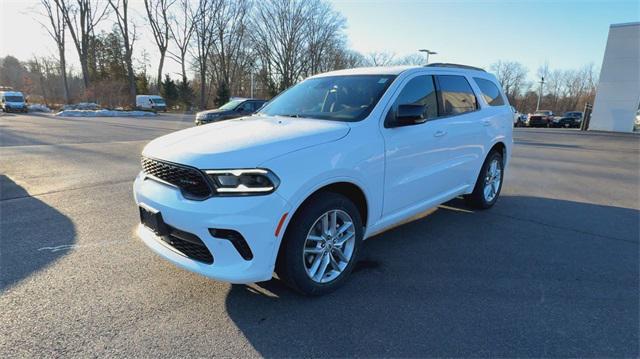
(294, 115)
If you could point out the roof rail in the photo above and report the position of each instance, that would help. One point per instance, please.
(444, 64)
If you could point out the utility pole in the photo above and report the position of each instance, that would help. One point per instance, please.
(428, 52)
(251, 69)
(540, 93)
(251, 83)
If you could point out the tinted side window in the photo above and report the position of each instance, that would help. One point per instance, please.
(420, 90)
(246, 107)
(490, 92)
(257, 105)
(455, 95)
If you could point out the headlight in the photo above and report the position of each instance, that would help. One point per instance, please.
(244, 181)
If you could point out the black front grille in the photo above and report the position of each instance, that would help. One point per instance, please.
(191, 181)
(189, 245)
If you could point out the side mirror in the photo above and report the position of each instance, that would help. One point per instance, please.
(408, 115)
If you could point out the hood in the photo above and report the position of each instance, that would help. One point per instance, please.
(244, 142)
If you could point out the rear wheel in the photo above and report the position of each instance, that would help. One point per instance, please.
(321, 244)
(489, 182)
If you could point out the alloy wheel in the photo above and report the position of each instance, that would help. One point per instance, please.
(493, 179)
(329, 246)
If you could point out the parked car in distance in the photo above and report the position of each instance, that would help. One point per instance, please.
(153, 103)
(519, 119)
(333, 160)
(540, 118)
(13, 101)
(571, 119)
(235, 108)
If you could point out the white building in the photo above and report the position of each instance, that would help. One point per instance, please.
(618, 93)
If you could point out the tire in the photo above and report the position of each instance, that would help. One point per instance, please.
(299, 254)
(478, 198)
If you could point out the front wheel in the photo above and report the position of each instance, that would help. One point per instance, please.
(489, 183)
(321, 244)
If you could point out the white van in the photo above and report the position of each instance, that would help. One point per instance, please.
(153, 103)
(12, 101)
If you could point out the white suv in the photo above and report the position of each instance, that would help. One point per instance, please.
(295, 188)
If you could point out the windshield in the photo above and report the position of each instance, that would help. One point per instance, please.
(339, 98)
(14, 99)
(231, 105)
(159, 101)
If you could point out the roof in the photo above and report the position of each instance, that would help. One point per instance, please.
(379, 70)
(397, 70)
(454, 66)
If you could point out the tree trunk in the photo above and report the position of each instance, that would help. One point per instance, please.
(184, 71)
(160, 65)
(85, 71)
(203, 78)
(63, 74)
(132, 80)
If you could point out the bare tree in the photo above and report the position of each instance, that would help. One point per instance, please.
(380, 58)
(204, 24)
(326, 36)
(157, 15)
(413, 59)
(81, 19)
(128, 33)
(279, 36)
(57, 31)
(512, 75)
(228, 45)
(182, 28)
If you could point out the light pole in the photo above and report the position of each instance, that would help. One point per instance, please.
(540, 93)
(428, 52)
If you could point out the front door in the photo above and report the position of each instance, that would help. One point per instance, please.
(416, 156)
(427, 163)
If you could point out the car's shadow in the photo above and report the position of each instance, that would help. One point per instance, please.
(531, 277)
(33, 234)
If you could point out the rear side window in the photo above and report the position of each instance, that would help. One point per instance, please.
(420, 90)
(455, 95)
(490, 92)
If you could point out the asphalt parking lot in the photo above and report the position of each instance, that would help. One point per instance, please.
(551, 270)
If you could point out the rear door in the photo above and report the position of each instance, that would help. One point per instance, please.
(462, 112)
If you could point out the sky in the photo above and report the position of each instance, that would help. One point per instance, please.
(566, 34)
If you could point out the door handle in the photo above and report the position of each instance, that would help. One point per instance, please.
(439, 133)
(486, 122)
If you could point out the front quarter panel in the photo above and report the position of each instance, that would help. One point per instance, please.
(357, 158)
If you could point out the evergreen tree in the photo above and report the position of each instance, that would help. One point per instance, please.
(185, 94)
(169, 90)
(142, 83)
(222, 94)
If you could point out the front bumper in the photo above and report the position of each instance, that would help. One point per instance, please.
(254, 217)
(205, 120)
(15, 109)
